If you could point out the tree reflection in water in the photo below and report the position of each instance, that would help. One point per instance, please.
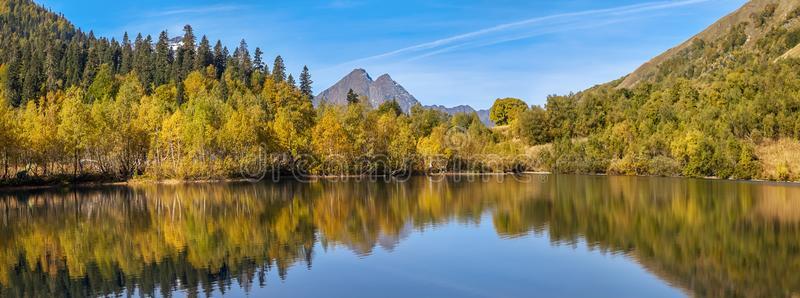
(711, 238)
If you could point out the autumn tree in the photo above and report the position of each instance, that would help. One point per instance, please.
(505, 110)
(532, 126)
(74, 126)
(390, 107)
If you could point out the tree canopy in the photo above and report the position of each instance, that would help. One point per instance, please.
(505, 110)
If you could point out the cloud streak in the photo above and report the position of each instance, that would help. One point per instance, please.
(341, 4)
(197, 10)
(538, 26)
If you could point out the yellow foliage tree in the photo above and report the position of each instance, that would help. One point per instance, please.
(74, 126)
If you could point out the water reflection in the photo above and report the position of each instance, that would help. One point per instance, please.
(709, 238)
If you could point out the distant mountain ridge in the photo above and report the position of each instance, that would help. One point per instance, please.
(382, 90)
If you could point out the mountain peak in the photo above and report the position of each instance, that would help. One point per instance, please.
(379, 91)
(359, 73)
(384, 77)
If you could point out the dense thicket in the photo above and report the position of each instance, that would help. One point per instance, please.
(705, 112)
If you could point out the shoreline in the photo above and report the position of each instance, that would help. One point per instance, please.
(132, 182)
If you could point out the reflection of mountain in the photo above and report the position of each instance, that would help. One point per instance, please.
(713, 238)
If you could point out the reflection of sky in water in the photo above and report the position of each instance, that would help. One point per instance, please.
(465, 260)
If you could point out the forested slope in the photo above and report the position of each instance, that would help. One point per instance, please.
(723, 104)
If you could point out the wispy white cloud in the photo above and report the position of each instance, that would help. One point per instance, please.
(528, 28)
(519, 36)
(342, 4)
(197, 10)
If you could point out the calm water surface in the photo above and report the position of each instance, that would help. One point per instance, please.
(548, 236)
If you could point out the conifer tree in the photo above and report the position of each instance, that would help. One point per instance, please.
(204, 55)
(126, 59)
(352, 97)
(278, 70)
(242, 56)
(305, 82)
(186, 53)
(290, 81)
(220, 57)
(53, 77)
(258, 60)
(143, 61)
(163, 59)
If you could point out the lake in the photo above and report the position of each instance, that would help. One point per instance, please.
(462, 236)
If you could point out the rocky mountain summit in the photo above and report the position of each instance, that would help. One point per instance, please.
(382, 90)
(376, 91)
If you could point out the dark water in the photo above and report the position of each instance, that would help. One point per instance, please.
(548, 236)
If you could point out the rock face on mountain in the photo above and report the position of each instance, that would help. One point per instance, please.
(385, 89)
(377, 92)
(757, 17)
(382, 90)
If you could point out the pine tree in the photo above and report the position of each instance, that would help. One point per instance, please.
(126, 59)
(143, 60)
(32, 80)
(75, 59)
(242, 56)
(163, 60)
(53, 76)
(279, 70)
(352, 97)
(186, 53)
(12, 81)
(180, 94)
(290, 81)
(220, 57)
(305, 83)
(204, 55)
(258, 62)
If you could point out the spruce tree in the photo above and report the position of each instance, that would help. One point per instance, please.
(52, 70)
(242, 56)
(279, 70)
(163, 59)
(220, 57)
(179, 93)
(305, 82)
(137, 63)
(290, 81)
(258, 60)
(186, 53)
(352, 97)
(144, 64)
(126, 59)
(204, 55)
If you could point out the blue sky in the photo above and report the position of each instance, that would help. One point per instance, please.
(444, 52)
